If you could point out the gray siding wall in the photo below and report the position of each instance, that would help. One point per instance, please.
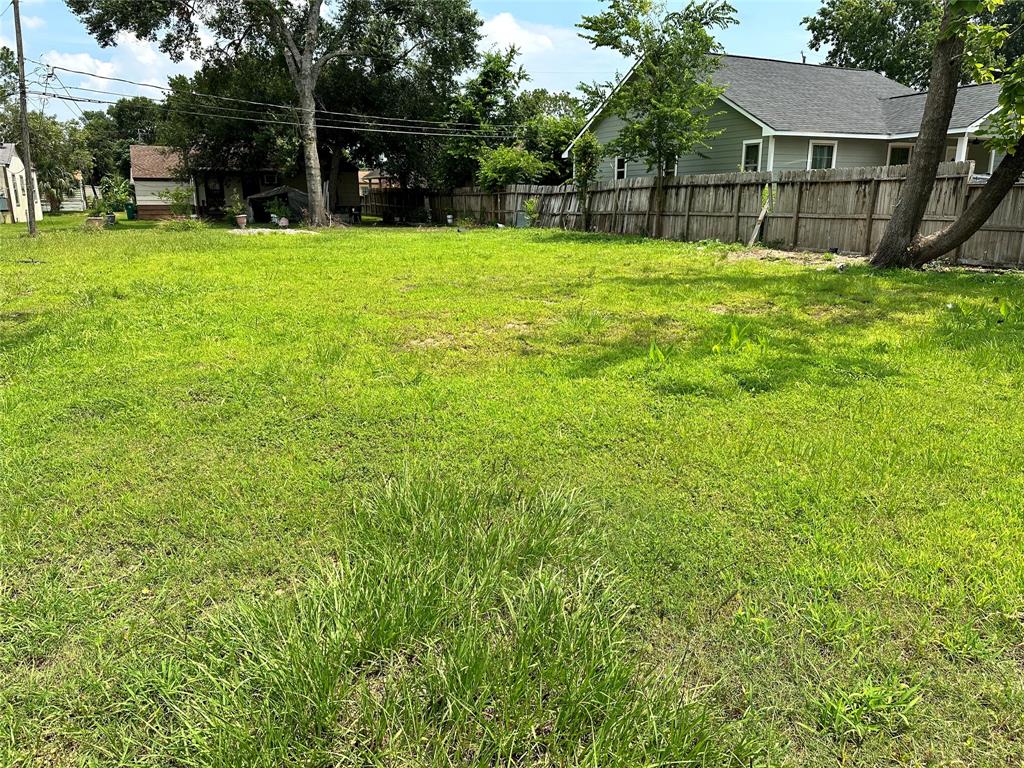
(791, 152)
(723, 156)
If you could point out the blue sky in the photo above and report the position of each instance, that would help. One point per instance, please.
(544, 30)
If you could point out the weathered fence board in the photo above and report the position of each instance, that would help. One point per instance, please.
(844, 210)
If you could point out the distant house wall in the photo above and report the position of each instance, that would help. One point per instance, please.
(147, 196)
(14, 188)
(725, 154)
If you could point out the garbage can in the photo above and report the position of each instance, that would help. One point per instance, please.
(131, 211)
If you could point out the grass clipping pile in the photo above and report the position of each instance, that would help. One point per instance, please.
(460, 628)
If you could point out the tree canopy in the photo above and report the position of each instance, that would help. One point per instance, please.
(897, 37)
(309, 38)
(108, 135)
(59, 153)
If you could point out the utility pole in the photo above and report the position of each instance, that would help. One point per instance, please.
(25, 146)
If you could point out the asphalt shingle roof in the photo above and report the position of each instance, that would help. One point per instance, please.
(6, 154)
(973, 102)
(806, 97)
(153, 162)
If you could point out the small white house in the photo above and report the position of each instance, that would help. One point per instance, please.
(155, 171)
(14, 188)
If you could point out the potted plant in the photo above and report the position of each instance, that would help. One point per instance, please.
(117, 193)
(236, 209)
(279, 211)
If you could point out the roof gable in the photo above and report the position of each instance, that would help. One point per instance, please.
(7, 154)
(788, 96)
(814, 99)
(154, 162)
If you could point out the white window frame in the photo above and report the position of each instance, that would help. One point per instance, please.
(814, 143)
(743, 157)
(625, 169)
(898, 145)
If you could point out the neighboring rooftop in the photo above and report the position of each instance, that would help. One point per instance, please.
(154, 162)
(6, 154)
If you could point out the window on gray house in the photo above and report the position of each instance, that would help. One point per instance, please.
(823, 156)
(620, 167)
(752, 156)
(899, 155)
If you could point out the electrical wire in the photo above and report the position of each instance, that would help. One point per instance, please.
(355, 123)
(321, 124)
(438, 123)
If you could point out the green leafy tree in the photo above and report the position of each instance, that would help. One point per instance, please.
(59, 153)
(8, 74)
(486, 103)
(966, 35)
(305, 34)
(506, 165)
(666, 101)
(586, 155)
(108, 135)
(897, 37)
(549, 123)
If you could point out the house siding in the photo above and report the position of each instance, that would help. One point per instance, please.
(147, 193)
(17, 205)
(791, 152)
(723, 156)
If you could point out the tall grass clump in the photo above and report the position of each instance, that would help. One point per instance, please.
(459, 628)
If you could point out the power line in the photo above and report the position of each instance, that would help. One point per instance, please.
(365, 122)
(325, 125)
(439, 123)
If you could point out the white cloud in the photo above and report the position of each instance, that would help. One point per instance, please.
(556, 58)
(130, 59)
(33, 22)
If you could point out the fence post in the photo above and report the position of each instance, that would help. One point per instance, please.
(615, 207)
(686, 215)
(737, 195)
(870, 223)
(961, 206)
(796, 214)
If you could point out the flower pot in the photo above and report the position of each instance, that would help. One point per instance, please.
(111, 218)
(282, 221)
(241, 220)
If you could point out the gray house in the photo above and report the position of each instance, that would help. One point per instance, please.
(781, 115)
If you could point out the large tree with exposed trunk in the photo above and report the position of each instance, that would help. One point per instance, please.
(962, 40)
(305, 33)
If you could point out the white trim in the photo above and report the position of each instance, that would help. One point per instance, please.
(991, 162)
(733, 105)
(600, 108)
(898, 145)
(812, 144)
(961, 148)
(770, 163)
(615, 168)
(743, 155)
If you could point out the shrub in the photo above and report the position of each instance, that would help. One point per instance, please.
(508, 165)
(179, 198)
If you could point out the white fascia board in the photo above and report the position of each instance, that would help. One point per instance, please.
(765, 128)
(599, 109)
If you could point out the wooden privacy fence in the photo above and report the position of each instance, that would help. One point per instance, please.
(843, 210)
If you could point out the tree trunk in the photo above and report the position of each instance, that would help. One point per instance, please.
(584, 195)
(659, 200)
(930, 247)
(332, 181)
(314, 184)
(895, 248)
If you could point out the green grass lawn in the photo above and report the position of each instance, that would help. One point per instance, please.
(404, 498)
